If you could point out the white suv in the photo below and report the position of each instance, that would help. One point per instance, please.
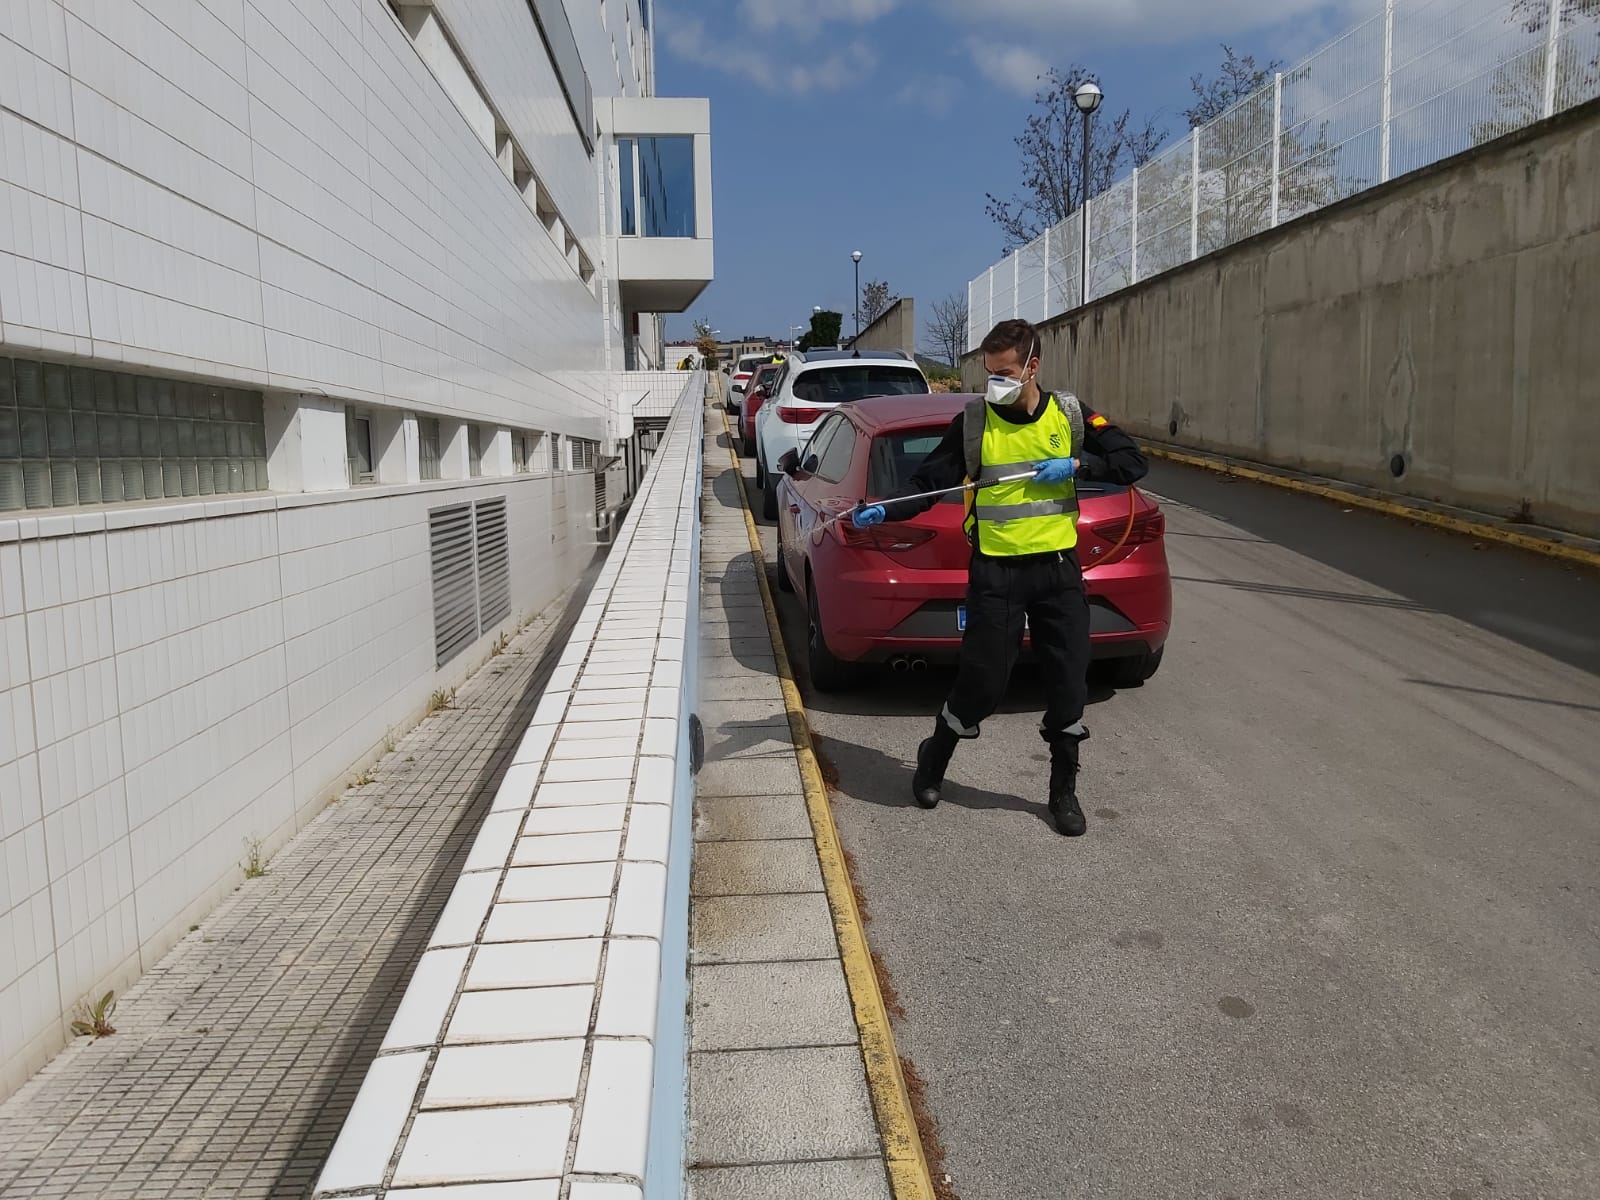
(739, 376)
(813, 384)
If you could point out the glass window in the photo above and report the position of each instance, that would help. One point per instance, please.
(555, 452)
(358, 452)
(76, 435)
(474, 452)
(836, 456)
(627, 187)
(666, 186)
(836, 385)
(896, 457)
(811, 454)
(428, 447)
(519, 454)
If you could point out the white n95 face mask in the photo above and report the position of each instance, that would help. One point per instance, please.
(1003, 390)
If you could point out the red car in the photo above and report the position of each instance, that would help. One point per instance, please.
(896, 593)
(755, 395)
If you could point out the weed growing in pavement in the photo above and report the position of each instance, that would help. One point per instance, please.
(441, 700)
(362, 780)
(388, 742)
(255, 866)
(500, 645)
(94, 1020)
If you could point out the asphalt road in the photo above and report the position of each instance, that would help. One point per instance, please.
(1335, 930)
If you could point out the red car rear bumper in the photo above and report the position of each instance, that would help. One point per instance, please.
(872, 614)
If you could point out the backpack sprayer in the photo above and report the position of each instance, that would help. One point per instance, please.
(974, 484)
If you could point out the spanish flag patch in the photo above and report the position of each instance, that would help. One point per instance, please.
(1098, 421)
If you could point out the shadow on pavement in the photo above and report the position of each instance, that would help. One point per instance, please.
(862, 763)
(364, 1033)
(1541, 603)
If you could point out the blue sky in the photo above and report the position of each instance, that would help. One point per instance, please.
(879, 125)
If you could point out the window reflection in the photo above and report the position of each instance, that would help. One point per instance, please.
(628, 187)
(657, 186)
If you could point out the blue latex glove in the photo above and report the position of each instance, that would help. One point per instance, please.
(1055, 470)
(866, 516)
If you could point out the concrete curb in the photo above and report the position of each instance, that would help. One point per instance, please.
(909, 1178)
(1575, 550)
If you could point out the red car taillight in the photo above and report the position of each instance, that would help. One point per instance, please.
(888, 538)
(799, 416)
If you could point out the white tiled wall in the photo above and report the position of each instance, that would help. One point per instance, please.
(280, 193)
(176, 681)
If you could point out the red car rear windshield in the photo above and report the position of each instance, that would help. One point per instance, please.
(896, 457)
(836, 385)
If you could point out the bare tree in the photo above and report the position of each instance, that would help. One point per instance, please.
(947, 329)
(1235, 109)
(1518, 87)
(1053, 182)
(875, 301)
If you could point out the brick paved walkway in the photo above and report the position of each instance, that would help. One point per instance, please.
(238, 1056)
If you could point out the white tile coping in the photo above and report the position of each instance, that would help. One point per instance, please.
(538, 1049)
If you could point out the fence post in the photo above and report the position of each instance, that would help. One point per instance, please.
(1194, 193)
(1047, 313)
(1083, 286)
(1277, 142)
(1552, 57)
(1388, 88)
(1133, 233)
(1016, 281)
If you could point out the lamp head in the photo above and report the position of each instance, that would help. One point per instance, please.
(1087, 97)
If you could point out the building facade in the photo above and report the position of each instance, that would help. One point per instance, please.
(313, 319)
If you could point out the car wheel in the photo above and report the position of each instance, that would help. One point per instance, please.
(1133, 671)
(785, 584)
(769, 498)
(828, 674)
(761, 475)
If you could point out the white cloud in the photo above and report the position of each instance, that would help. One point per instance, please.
(1079, 26)
(765, 16)
(1014, 67)
(934, 94)
(774, 68)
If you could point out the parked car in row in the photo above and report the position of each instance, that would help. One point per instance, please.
(812, 384)
(896, 593)
(739, 374)
(755, 395)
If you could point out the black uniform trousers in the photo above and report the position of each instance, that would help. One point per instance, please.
(1048, 590)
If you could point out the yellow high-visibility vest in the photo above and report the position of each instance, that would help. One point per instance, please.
(1025, 517)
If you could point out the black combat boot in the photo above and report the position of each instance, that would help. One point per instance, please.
(933, 756)
(1064, 786)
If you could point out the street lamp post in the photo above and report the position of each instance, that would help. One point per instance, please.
(856, 258)
(1087, 98)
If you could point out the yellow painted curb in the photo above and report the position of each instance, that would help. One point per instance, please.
(902, 1145)
(1389, 508)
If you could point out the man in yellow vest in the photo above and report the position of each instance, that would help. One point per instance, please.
(1024, 571)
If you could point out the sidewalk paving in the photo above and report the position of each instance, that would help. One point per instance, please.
(779, 1105)
(238, 1056)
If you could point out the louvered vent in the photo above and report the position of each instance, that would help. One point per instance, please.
(494, 563)
(455, 593)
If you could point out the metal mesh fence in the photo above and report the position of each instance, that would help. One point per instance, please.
(1413, 83)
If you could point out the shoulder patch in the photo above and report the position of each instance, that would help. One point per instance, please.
(1098, 421)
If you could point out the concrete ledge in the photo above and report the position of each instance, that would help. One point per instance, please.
(542, 1039)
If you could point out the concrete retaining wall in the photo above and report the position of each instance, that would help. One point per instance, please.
(896, 329)
(1447, 318)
